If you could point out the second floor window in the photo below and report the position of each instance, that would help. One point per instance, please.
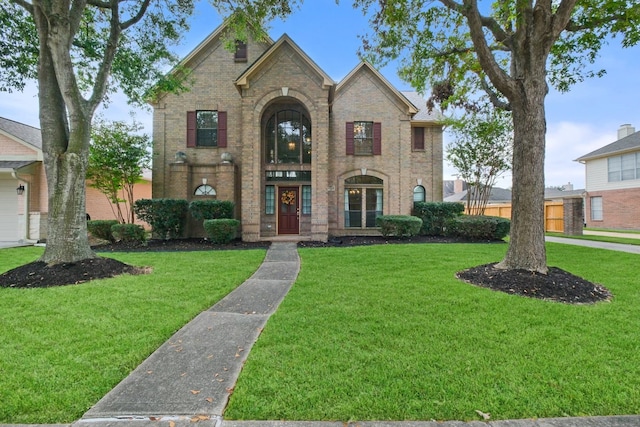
(207, 125)
(363, 137)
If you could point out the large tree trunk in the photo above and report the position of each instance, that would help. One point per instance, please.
(65, 166)
(526, 245)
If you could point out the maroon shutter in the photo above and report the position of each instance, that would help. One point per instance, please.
(191, 129)
(349, 133)
(377, 139)
(418, 138)
(222, 129)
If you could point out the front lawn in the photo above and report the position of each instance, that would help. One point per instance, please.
(64, 348)
(388, 333)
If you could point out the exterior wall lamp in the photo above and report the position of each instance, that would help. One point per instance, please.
(20, 190)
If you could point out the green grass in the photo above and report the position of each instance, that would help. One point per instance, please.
(608, 239)
(388, 333)
(64, 348)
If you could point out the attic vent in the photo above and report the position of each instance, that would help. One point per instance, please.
(241, 51)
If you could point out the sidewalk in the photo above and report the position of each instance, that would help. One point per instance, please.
(189, 379)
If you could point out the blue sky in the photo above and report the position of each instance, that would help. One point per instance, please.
(578, 122)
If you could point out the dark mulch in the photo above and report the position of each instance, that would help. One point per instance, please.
(558, 285)
(39, 275)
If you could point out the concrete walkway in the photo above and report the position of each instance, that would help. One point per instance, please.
(189, 378)
(634, 249)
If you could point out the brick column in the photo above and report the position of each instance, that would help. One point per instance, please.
(573, 216)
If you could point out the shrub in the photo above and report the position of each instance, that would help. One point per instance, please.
(101, 228)
(399, 225)
(211, 209)
(221, 230)
(166, 217)
(477, 227)
(128, 233)
(435, 215)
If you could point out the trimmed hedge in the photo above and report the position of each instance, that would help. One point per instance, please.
(399, 225)
(221, 231)
(128, 233)
(477, 227)
(211, 209)
(101, 228)
(435, 215)
(167, 217)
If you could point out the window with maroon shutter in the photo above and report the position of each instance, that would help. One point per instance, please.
(418, 139)
(349, 133)
(191, 128)
(377, 139)
(222, 129)
(206, 128)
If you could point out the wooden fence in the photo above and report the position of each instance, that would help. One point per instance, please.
(553, 214)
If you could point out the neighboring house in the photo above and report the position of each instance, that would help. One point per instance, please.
(613, 182)
(23, 186)
(298, 153)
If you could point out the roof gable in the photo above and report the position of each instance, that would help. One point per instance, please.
(364, 67)
(21, 133)
(243, 80)
(213, 38)
(621, 146)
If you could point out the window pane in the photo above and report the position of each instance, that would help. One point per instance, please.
(306, 199)
(596, 208)
(207, 128)
(615, 166)
(419, 194)
(353, 207)
(270, 200)
(270, 138)
(374, 205)
(629, 166)
(363, 137)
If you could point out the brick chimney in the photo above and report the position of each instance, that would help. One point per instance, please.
(625, 130)
(458, 186)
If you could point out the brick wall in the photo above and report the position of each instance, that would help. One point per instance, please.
(620, 209)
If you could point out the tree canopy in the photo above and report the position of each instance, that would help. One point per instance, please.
(81, 51)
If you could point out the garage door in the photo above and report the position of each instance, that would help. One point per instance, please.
(8, 209)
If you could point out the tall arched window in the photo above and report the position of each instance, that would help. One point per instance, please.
(288, 138)
(419, 194)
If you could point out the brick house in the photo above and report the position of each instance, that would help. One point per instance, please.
(613, 182)
(298, 153)
(24, 203)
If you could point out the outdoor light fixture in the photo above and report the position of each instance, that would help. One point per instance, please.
(20, 190)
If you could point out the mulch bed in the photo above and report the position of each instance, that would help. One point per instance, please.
(557, 285)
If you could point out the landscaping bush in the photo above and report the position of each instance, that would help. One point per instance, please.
(435, 215)
(211, 209)
(101, 228)
(477, 227)
(399, 225)
(166, 217)
(221, 230)
(128, 233)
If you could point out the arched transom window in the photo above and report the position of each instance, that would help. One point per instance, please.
(204, 190)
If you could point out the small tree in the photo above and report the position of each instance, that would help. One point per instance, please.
(117, 159)
(481, 152)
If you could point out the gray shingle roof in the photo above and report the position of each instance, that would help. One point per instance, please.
(11, 164)
(421, 104)
(25, 133)
(627, 143)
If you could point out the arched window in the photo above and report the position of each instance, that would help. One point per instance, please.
(204, 190)
(419, 194)
(288, 138)
(362, 201)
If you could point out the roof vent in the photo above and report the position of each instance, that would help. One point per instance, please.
(625, 130)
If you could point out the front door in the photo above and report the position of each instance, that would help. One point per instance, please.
(289, 211)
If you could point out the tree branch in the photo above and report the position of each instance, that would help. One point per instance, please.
(137, 17)
(562, 17)
(493, 96)
(100, 84)
(24, 4)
